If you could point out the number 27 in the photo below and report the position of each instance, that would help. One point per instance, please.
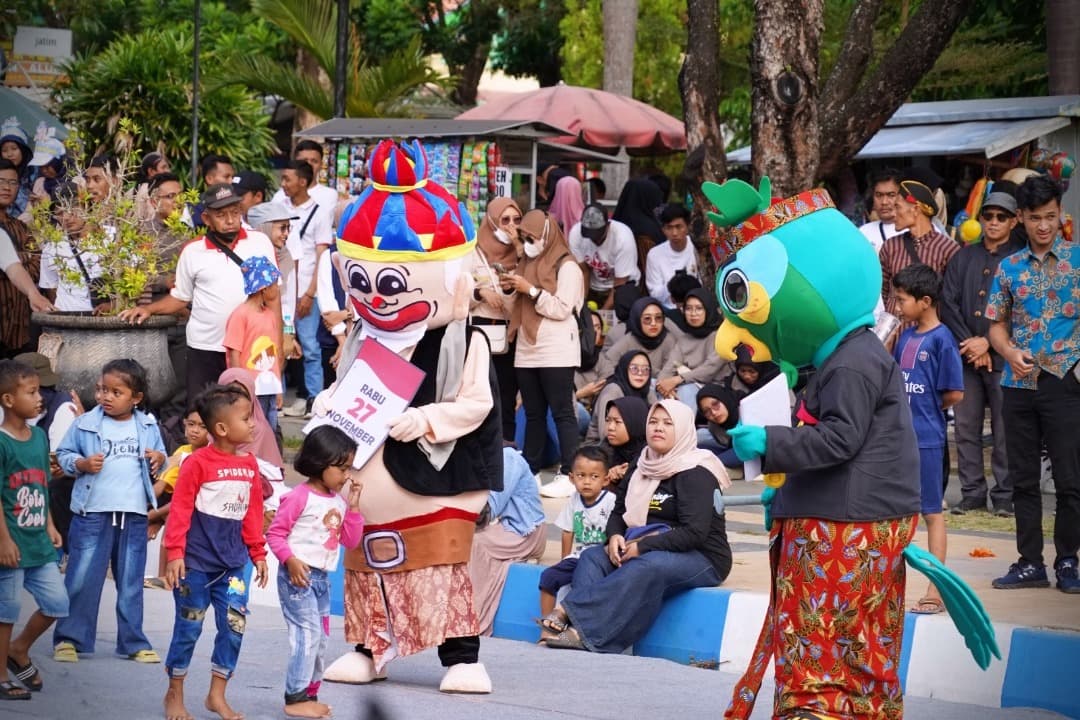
(361, 410)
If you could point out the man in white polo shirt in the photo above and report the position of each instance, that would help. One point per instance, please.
(208, 277)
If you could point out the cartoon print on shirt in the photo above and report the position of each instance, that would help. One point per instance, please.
(332, 520)
(263, 360)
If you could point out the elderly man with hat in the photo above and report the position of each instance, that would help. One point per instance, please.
(208, 277)
(965, 292)
(918, 242)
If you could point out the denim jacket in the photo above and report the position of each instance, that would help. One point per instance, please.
(83, 439)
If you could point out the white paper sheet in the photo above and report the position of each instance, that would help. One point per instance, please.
(770, 405)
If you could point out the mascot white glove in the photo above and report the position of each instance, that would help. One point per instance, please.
(409, 426)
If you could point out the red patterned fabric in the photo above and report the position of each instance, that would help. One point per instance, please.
(836, 620)
(400, 614)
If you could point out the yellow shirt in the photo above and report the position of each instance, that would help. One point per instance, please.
(172, 468)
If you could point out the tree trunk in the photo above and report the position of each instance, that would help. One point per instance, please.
(849, 122)
(699, 86)
(1063, 46)
(303, 119)
(620, 35)
(468, 79)
(784, 92)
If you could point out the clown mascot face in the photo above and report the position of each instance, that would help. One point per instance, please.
(801, 291)
(404, 258)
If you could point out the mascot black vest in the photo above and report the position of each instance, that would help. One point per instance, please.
(476, 461)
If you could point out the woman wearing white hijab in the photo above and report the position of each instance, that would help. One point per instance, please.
(664, 537)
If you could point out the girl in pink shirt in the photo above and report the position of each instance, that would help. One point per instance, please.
(311, 525)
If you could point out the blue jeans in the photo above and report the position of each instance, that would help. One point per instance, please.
(307, 332)
(706, 441)
(97, 540)
(612, 608)
(307, 615)
(45, 585)
(227, 592)
(687, 394)
(268, 403)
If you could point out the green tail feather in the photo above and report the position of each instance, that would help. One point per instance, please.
(963, 605)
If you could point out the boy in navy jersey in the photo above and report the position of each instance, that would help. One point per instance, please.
(934, 382)
(215, 525)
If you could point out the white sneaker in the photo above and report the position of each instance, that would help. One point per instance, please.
(560, 487)
(297, 409)
(539, 480)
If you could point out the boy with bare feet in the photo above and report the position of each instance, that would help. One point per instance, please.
(215, 525)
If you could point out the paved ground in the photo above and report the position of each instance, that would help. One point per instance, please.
(530, 682)
(1047, 608)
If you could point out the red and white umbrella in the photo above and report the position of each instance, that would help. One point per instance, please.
(597, 119)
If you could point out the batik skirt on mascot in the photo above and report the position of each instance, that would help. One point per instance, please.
(404, 256)
(844, 500)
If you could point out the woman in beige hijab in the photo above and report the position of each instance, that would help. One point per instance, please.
(498, 250)
(550, 291)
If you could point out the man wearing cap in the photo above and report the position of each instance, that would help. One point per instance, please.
(966, 287)
(607, 252)
(919, 241)
(252, 188)
(208, 277)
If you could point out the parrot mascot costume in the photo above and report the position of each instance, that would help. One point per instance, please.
(801, 291)
(404, 257)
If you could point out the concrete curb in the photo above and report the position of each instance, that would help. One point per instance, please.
(716, 627)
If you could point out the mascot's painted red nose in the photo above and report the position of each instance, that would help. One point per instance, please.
(377, 302)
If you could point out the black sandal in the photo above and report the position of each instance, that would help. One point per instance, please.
(568, 639)
(555, 621)
(13, 691)
(27, 674)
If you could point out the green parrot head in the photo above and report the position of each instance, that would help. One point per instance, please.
(803, 278)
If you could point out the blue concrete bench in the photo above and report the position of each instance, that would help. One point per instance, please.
(689, 629)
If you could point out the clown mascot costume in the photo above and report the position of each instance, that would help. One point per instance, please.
(404, 257)
(844, 483)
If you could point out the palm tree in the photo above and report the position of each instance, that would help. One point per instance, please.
(374, 89)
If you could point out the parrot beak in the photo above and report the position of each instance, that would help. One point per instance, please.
(730, 336)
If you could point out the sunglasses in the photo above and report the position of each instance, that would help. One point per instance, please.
(516, 220)
(999, 216)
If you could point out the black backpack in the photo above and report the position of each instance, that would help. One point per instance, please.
(586, 336)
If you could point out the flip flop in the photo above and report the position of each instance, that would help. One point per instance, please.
(26, 674)
(13, 691)
(928, 606)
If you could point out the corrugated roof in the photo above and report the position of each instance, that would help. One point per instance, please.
(346, 128)
(926, 113)
(962, 127)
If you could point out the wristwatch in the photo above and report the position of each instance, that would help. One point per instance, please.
(534, 292)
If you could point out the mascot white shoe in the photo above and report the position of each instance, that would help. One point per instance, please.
(353, 669)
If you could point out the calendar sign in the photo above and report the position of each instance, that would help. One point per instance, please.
(378, 387)
(504, 181)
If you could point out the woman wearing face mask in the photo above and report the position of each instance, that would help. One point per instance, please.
(630, 378)
(693, 361)
(647, 333)
(549, 288)
(498, 251)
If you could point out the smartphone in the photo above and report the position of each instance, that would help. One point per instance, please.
(500, 268)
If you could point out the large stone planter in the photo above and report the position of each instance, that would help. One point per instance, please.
(91, 341)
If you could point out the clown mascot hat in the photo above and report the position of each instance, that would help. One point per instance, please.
(801, 291)
(403, 257)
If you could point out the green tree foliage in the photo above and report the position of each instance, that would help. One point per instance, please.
(146, 78)
(530, 44)
(372, 90)
(661, 40)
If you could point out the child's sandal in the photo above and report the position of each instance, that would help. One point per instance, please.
(65, 652)
(145, 656)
